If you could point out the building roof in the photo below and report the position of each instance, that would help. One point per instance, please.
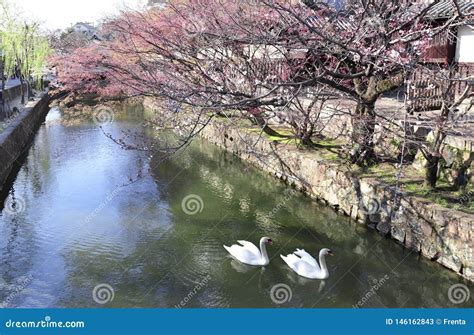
(445, 9)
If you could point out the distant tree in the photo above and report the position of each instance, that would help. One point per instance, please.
(25, 49)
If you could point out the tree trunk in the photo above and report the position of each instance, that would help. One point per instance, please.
(303, 134)
(431, 172)
(433, 159)
(2, 96)
(307, 141)
(22, 90)
(29, 93)
(363, 129)
(461, 180)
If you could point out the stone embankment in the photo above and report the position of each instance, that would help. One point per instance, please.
(440, 234)
(19, 133)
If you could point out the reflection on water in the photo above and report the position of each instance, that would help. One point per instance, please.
(92, 213)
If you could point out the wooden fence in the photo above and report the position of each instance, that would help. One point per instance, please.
(424, 92)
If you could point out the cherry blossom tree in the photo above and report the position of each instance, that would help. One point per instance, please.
(258, 58)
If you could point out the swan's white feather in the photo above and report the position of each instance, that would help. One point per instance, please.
(304, 266)
(250, 247)
(306, 257)
(246, 253)
(291, 260)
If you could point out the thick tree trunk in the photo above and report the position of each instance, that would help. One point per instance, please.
(307, 141)
(363, 129)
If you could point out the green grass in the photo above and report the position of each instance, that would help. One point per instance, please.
(411, 181)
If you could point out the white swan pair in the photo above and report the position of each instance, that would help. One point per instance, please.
(300, 261)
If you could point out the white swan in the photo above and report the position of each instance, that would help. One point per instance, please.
(306, 266)
(248, 253)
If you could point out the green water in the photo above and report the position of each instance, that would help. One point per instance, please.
(86, 213)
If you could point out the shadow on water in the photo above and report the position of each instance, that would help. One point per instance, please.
(7, 187)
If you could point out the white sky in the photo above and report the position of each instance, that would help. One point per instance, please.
(59, 14)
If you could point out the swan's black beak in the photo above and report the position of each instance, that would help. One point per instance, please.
(270, 241)
(330, 253)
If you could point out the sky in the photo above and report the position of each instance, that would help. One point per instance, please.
(60, 14)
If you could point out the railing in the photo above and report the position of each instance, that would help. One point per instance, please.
(426, 93)
(423, 93)
(465, 70)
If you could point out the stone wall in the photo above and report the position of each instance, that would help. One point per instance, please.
(442, 235)
(18, 135)
(456, 151)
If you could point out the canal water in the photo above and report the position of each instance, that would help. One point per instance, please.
(89, 224)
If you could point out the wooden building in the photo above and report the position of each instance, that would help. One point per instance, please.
(450, 52)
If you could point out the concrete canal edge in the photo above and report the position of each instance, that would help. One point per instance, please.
(19, 134)
(439, 234)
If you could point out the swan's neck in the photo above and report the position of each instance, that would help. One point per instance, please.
(322, 263)
(263, 251)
